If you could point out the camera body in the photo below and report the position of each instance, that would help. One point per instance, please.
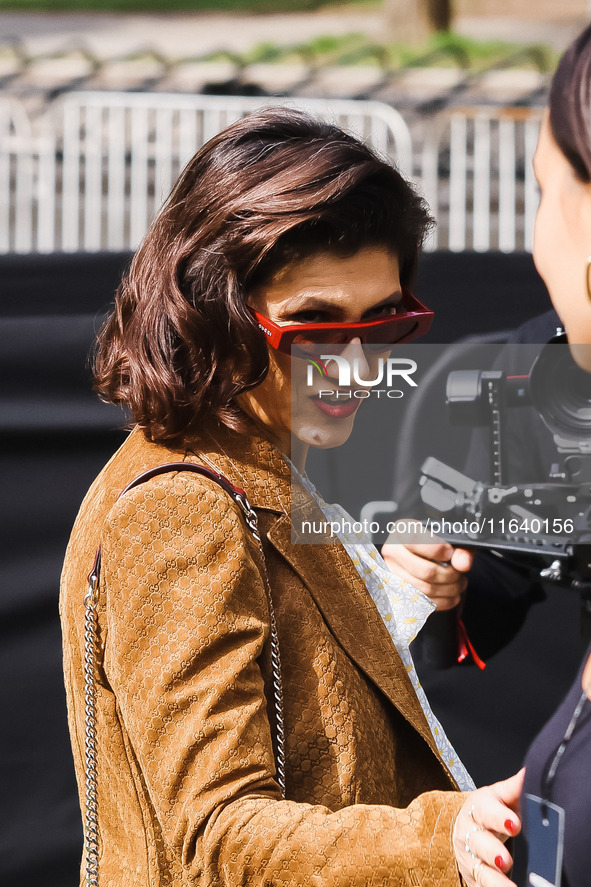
(544, 525)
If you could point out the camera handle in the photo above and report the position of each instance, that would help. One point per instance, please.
(477, 398)
(493, 384)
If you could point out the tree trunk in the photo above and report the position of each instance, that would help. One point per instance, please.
(439, 12)
(411, 21)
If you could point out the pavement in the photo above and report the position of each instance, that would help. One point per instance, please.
(555, 32)
(183, 34)
(179, 34)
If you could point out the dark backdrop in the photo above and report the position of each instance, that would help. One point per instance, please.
(56, 436)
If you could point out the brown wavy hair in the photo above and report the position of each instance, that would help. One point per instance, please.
(273, 188)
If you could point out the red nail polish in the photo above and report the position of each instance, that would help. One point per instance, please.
(510, 826)
(499, 862)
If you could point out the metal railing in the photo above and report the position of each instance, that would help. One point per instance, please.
(477, 176)
(27, 181)
(102, 163)
(92, 172)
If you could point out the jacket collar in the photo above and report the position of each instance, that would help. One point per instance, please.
(250, 462)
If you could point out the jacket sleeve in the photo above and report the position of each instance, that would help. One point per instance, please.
(186, 621)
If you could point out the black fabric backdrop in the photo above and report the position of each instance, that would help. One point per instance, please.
(56, 436)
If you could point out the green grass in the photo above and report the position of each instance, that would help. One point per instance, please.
(441, 50)
(252, 6)
(487, 52)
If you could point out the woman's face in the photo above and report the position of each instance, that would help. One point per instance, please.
(323, 288)
(562, 240)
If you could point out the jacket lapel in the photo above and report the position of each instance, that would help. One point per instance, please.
(353, 618)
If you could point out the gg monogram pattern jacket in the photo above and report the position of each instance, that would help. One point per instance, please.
(186, 787)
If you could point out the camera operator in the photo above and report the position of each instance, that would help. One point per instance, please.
(556, 801)
(510, 617)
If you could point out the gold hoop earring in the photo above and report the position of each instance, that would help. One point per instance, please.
(587, 281)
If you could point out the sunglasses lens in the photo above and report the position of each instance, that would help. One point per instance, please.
(319, 337)
(311, 339)
(388, 334)
(377, 338)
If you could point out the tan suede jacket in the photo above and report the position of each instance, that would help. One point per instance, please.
(187, 794)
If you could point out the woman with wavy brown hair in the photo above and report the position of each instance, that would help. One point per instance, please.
(241, 709)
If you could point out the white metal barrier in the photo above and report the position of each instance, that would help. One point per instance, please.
(487, 196)
(120, 154)
(27, 181)
(95, 170)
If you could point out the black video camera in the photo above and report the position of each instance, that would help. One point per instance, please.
(545, 525)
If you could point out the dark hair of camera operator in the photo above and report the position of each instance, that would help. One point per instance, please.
(304, 224)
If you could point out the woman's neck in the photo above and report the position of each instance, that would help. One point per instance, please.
(299, 454)
(289, 445)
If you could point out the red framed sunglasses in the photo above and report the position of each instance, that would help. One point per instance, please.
(413, 321)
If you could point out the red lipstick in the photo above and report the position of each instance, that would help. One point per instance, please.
(337, 410)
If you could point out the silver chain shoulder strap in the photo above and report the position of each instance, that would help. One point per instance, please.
(91, 828)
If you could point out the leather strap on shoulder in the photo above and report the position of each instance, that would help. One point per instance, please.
(237, 494)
